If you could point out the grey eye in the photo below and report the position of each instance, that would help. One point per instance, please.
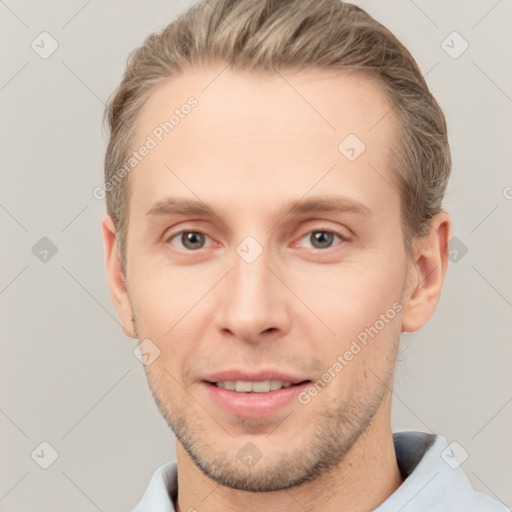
(191, 240)
(321, 239)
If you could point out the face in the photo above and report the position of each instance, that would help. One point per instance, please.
(261, 251)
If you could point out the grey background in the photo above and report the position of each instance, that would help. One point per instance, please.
(68, 374)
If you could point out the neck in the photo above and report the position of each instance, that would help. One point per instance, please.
(366, 476)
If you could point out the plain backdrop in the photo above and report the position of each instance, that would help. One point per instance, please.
(69, 377)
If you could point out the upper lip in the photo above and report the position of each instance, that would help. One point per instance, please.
(253, 376)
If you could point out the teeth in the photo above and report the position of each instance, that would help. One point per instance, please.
(243, 386)
(260, 387)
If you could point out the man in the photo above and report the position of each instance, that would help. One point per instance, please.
(274, 181)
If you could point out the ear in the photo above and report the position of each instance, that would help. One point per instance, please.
(427, 269)
(116, 278)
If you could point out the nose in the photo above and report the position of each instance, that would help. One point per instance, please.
(253, 305)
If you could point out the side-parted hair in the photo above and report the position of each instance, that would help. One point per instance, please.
(262, 35)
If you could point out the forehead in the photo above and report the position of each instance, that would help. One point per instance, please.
(257, 103)
(282, 128)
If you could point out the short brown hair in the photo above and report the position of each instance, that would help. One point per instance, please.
(261, 35)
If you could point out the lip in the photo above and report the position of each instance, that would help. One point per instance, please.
(253, 376)
(252, 405)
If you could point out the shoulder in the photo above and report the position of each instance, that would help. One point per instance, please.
(433, 479)
(161, 490)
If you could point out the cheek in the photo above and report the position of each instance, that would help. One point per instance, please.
(164, 304)
(351, 297)
(361, 304)
(165, 295)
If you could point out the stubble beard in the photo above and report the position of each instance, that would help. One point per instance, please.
(335, 432)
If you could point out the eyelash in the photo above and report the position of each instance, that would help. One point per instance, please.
(317, 230)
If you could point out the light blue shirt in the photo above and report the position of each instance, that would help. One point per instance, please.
(433, 481)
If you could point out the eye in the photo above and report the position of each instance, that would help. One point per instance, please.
(322, 238)
(189, 240)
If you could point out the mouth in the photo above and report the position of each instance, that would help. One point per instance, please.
(253, 399)
(263, 386)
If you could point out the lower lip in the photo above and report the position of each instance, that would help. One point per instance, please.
(253, 405)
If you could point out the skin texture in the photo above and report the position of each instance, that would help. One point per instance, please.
(255, 145)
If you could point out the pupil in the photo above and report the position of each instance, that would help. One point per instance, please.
(192, 240)
(322, 239)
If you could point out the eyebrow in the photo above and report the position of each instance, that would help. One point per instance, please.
(175, 206)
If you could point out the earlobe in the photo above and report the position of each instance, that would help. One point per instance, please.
(426, 274)
(116, 278)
